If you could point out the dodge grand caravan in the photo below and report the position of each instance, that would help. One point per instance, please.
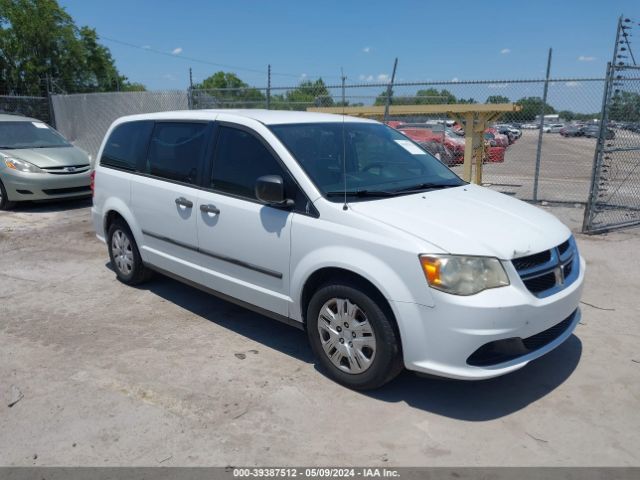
(345, 228)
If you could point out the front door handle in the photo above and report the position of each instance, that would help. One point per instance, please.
(209, 209)
(181, 201)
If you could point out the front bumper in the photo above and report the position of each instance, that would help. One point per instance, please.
(441, 339)
(22, 186)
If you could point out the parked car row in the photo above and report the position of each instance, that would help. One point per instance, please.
(446, 140)
(588, 131)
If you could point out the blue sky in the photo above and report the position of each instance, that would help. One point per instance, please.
(436, 40)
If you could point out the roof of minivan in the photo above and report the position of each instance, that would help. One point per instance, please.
(9, 117)
(268, 117)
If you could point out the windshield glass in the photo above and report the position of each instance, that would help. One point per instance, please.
(378, 158)
(29, 135)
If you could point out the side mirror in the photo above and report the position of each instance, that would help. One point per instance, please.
(270, 190)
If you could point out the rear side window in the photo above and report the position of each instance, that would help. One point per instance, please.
(127, 145)
(239, 160)
(176, 150)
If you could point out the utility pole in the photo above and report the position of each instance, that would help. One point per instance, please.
(343, 78)
(390, 91)
(269, 87)
(190, 96)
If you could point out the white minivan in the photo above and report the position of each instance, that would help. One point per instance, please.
(343, 227)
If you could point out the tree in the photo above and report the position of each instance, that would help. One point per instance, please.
(531, 107)
(307, 94)
(430, 96)
(625, 107)
(498, 99)
(226, 89)
(40, 42)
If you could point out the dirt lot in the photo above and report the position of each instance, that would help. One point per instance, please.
(166, 375)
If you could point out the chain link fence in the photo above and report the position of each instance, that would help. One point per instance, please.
(614, 200)
(512, 151)
(565, 161)
(29, 106)
(85, 118)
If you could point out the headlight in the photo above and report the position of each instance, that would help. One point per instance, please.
(460, 275)
(21, 165)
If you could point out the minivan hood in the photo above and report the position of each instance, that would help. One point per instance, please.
(470, 220)
(49, 157)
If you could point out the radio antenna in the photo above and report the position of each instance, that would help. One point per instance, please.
(344, 144)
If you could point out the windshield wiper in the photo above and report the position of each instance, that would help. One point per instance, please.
(362, 193)
(426, 186)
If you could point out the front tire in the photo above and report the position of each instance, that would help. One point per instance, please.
(125, 256)
(5, 204)
(353, 339)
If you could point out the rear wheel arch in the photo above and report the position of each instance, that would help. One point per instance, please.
(110, 217)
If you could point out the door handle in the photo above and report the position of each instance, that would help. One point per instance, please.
(181, 201)
(209, 209)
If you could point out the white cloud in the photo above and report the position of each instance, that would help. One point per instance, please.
(505, 51)
(455, 79)
(586, 58)
(176, 51)
(572, 84)
(146, 47)
(383, 77)
(366, 49)
(365, 78)
(168, 76)
(498, 85)
(303, 76)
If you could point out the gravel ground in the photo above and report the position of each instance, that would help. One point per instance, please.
(167, 375)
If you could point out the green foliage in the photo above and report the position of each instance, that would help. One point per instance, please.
(39, 40)
(227, 90)
(308, 94)
(625, 107)
(429, 96)
(497, 99)
(531, 107)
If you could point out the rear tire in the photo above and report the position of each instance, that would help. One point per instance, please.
(125, 256)
(5, 204)
(353, 339)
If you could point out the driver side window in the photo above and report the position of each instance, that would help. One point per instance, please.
(240, 158)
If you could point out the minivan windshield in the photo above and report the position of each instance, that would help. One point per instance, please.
(365, 159)
(23, 134)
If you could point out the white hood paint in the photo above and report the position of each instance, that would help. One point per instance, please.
(470, 220)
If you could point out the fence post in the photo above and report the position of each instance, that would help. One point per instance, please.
(343, 78)
(390, 91)
(190, 90)
(269, 87)
(52, 114)
(536, 177)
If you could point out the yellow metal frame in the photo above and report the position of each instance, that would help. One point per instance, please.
(474, 118)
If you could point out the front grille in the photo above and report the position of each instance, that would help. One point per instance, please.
(500, 351)
(548, 272)
(63, 191)
(541, 283)
(67, 169)
(531, 261)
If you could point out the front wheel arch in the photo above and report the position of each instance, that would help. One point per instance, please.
(327, 275)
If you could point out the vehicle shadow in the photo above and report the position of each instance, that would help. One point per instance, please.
(483, 400)
(271, 333)
(50, 206)
(463, 400)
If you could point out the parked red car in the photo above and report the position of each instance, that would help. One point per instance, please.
(424, 134)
